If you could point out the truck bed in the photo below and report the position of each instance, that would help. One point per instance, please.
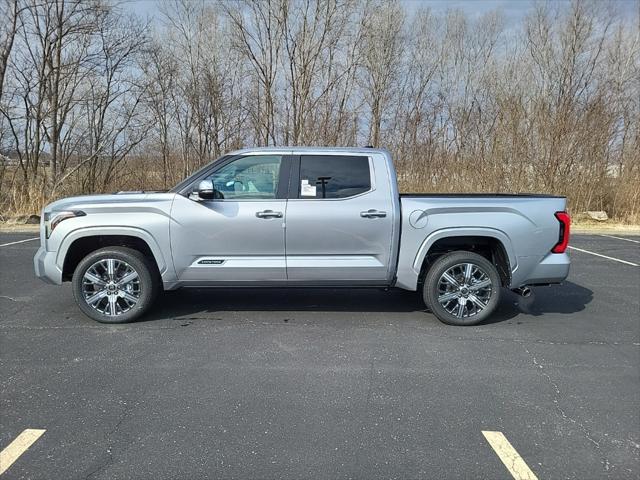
(525, 224)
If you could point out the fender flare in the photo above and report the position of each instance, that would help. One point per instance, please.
(494, 233)
(97, 231)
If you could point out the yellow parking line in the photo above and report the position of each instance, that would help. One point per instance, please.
(514, 462)
(16, 448)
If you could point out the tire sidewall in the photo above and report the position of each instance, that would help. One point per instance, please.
(137, 262)
(430, 289)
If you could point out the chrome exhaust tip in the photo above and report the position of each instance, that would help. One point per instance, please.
(523, 291)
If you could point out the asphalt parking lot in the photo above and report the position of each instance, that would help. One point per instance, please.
(325, 383)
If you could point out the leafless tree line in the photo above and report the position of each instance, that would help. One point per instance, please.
(93, 99)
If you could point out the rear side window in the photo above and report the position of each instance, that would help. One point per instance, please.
(332, 176)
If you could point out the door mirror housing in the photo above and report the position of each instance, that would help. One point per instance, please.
(206, 191)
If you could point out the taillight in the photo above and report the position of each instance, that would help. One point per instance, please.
(563, 239)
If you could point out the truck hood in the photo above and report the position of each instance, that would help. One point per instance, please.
(120, 200)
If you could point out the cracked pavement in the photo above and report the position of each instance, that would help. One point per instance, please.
(324, 383)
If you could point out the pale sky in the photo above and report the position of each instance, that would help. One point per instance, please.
(513, 10)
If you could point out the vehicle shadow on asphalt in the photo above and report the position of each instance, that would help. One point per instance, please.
(567, 298)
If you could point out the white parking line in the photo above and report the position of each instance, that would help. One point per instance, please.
(16, 448)
(604, 256)
(511, 459)
(19, 241)
(621, 238)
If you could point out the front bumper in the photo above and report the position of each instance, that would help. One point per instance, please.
(46, 268)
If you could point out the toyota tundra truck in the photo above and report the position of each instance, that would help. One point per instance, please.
(302, 217)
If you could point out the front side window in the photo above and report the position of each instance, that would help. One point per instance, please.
(248, 178)
(333, 176)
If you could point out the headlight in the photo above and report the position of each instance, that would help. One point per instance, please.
(53, 219)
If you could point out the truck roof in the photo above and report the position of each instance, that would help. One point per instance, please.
(308, 150)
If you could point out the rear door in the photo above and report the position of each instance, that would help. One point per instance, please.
(339, 224)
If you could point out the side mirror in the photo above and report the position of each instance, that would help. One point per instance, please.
(206, 191)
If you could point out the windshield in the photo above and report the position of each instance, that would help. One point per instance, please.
(195, 175)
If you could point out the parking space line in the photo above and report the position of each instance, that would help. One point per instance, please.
(621, 238)
(604, 256)
(16, 448)
(517, 467)
(19, 241)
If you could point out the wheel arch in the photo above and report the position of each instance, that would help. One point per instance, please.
(492, 244)
(80, 243)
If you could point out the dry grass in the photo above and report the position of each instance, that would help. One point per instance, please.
(603, 227)
(14, 228)
(142, 174)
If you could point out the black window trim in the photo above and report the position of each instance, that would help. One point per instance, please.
(294, 179)
(283, 181)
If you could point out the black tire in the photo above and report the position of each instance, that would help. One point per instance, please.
(431, 290)
(148, 284)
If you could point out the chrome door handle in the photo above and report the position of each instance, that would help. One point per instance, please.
(373, 214)
(269, 214)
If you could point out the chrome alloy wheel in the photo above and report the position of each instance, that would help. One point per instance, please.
(464, 290)
(111, 286)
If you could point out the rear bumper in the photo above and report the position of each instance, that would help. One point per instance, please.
(554, 268)
(44, 264)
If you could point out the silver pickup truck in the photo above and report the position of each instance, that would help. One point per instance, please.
(309, 217)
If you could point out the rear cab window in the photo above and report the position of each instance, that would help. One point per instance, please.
(333, 176)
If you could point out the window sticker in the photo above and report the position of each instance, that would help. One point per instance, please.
(307, 190)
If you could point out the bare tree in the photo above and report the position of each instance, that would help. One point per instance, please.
(93, 100)
(9, 10)
(382, 47)
(310, 28)
(160, 71)
(258, 29)
(112, 94)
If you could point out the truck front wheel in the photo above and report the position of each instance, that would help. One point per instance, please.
(462, 288)
(114, 285)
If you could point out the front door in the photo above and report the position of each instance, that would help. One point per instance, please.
(238, 237)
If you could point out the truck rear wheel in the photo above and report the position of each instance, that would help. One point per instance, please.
(462, 288)
(114, 285)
